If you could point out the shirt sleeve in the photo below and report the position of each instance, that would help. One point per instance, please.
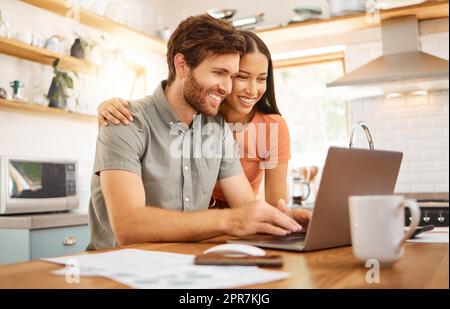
(119, 148)
(230, 163)
(277, 140)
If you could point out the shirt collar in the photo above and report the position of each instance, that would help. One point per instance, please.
(162, 105)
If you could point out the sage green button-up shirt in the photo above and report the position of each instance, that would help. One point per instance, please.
(179, 165)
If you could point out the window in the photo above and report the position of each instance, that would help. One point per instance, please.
(315, 114)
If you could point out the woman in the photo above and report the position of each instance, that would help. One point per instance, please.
(251, 103)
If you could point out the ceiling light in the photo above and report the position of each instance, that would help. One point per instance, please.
(419, 92)
(393, 95)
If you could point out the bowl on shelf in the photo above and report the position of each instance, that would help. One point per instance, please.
(346, 7)
(304, 13)
(221, 13)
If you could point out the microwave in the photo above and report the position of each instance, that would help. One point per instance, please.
(29, 185)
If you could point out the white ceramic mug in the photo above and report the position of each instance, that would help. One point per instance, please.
(377, 226)
(25, 36)
(37, 40)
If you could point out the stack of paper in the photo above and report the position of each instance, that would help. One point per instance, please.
(152, 269)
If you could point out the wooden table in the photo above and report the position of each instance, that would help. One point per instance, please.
(422, 266)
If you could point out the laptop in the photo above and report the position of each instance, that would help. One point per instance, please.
(346, 172)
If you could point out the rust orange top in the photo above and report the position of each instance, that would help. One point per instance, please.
(263, 144)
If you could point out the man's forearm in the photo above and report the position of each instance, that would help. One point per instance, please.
(151, 224)
(237, 191)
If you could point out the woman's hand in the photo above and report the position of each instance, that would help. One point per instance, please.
(115, 111)
(301, 216)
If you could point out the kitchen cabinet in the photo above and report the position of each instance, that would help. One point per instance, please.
(23, 245)
(31, 237)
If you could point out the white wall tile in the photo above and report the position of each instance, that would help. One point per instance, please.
(409, 112)
(422, 188)
(433, 178)
(440, 122)
(408, 134)
(432, 110)
(434, 132)
(441, 187)
(420, 123)
(417, 126)
(423, 166)
(409, 178)
(402, 188)
(396, 124)
(433, 155)
(398, 146)
(412, 156)
(422, 145)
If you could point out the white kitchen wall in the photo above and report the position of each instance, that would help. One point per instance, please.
(415, 125)
(42, 137)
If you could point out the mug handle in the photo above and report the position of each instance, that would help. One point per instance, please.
(415, 220)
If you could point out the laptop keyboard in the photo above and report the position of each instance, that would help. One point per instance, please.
(285, 240)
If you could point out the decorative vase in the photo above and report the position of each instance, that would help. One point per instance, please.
(77, 50)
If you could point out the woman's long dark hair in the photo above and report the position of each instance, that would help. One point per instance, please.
(267, 104)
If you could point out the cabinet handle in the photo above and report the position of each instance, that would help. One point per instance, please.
(69, 241)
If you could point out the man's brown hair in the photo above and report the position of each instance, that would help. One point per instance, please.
(199, 37)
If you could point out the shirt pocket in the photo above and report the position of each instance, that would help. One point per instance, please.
(208, 170)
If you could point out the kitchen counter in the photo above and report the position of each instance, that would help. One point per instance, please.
(424, 265)
(44, 220)
(427, 196)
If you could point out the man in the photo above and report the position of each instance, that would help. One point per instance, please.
(150, 184)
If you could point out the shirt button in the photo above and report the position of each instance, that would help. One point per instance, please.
(186, 199)
(186, 167)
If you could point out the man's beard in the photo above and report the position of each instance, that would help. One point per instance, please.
(195, 95)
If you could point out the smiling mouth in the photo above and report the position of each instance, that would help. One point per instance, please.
(247, 101)
(215, 97)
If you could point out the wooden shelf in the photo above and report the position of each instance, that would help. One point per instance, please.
(21, 50)
(101, 23)
(40, 55)
(345, 24)
(43, 111)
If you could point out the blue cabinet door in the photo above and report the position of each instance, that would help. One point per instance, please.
(58, 241)
(14, 246)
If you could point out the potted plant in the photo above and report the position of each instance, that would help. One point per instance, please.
(61, 83)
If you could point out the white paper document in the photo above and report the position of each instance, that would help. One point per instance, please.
(163, 270)
(437, 235)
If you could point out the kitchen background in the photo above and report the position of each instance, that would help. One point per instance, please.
(317, 116)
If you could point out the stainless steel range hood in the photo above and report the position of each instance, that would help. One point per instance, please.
(403, 67)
